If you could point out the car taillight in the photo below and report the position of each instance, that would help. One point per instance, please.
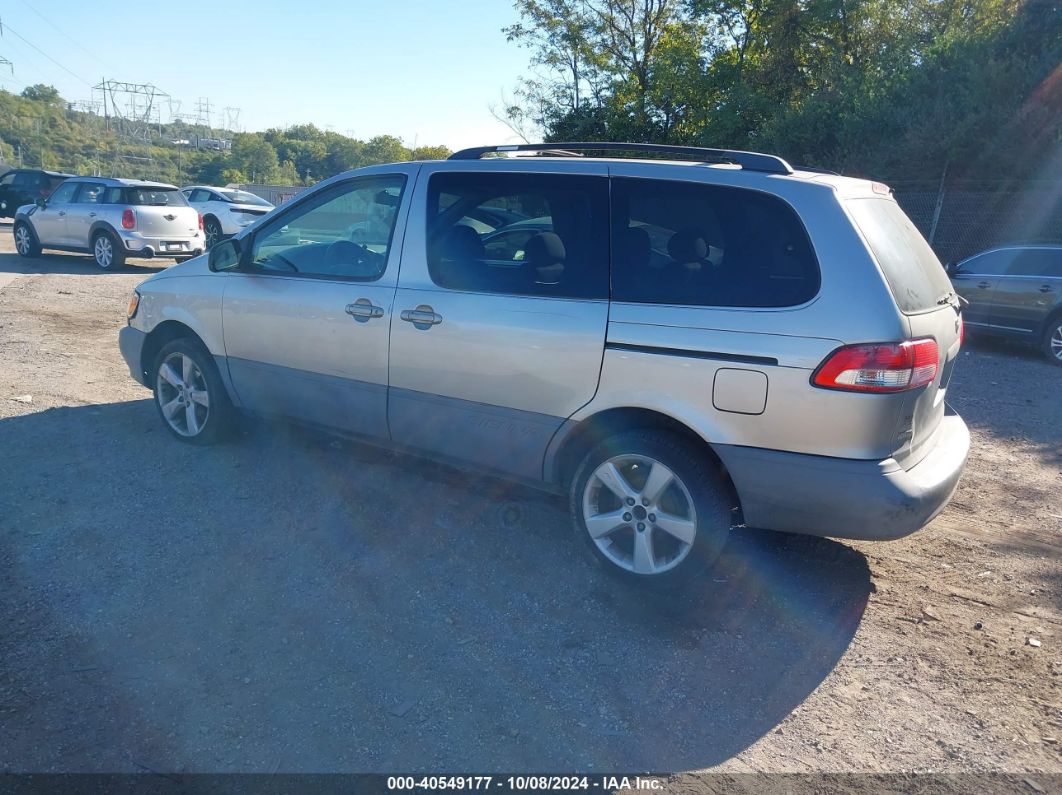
(200, 221)
(879, 367)
(962, 330)
(128, 218)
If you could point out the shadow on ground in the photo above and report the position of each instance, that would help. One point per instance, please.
(75, 264)
(290, 603)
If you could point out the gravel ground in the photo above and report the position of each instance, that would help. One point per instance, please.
(288, 602)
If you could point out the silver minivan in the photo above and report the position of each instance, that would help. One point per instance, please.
(677, 345)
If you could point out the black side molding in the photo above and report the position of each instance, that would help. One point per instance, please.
(690, 354)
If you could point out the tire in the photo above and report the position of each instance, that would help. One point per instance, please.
(212, 232)
(1052, 341)
(191, 401)
(107, 252)
(633, 543)
(26, 243)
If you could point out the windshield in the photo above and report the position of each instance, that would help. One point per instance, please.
(914, 273)
(244, 197)
(155, 197)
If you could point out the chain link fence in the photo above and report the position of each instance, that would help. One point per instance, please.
(961, 218)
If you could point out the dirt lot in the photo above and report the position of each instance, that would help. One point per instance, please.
(288, 602)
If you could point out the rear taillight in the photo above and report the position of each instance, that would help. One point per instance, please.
(879, 367)
(200, 221)
(128, 218)
(962, 330)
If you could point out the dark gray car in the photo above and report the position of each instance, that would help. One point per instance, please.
(1016, 292)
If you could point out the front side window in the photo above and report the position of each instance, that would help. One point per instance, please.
(519, 234)
(992, 263)
(7, 179)
(344, 232)
(707, 245)
(64, 194)
(90, 193)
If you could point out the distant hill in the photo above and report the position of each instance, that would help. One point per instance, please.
(39, 129)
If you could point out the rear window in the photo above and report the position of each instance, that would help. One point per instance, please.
(154, 197)
(244, 197)
(914, 273)
(708, 245)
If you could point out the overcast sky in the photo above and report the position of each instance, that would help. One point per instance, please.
(419, 70)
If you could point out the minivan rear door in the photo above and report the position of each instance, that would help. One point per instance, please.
(497, 339)
(923, 293)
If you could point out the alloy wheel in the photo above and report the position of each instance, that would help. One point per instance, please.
(213, 233)
(104, 251)
(1056, 342)
(22, 240)
(182, 393)
(639, 514)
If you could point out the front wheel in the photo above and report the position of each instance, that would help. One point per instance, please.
(1052, 345)
(651, 507)
(189, 394)
(26, 243)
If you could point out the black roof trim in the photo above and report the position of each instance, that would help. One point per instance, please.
(751, 161)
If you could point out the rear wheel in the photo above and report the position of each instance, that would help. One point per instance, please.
(651, 507)
(212, 231)
(25, 241)
(189, 394)
(107, 252)
(1052, 343)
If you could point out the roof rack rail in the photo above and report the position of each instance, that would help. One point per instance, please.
(751, 161)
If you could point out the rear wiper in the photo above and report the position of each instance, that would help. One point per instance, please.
(952, 297)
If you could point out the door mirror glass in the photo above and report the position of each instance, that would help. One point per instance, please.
(225, 256)
(41, 202)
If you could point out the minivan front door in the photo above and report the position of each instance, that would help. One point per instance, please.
(306, 316)
(498, 338)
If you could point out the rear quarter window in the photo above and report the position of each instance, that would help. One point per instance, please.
(708, 245)
(914, 274)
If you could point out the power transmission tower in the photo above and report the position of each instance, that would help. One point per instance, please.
(202, 114)
(134, 112)
(232, 119)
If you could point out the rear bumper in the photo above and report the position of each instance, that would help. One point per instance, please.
(142, 246)
(131, 344)
(869, 500)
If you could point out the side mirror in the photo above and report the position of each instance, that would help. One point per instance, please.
(41, 202)
(224, 256)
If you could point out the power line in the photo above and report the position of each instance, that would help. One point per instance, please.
(42, 52)
(66, 35)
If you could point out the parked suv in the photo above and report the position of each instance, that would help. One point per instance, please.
(112, 219)
(225, 211)
(677, 346)
(25, 186)
(1016, 292)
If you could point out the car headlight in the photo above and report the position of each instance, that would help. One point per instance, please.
(134, 304)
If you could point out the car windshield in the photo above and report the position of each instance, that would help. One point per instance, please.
(155, 197)
(244, 197)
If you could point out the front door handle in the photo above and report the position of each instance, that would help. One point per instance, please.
(1045, 288)
(363, 309)
(62, 213)
(423, 315)
(92, 215)
(985, 285)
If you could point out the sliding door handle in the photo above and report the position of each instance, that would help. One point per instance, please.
(423, 315)
(363, 309)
